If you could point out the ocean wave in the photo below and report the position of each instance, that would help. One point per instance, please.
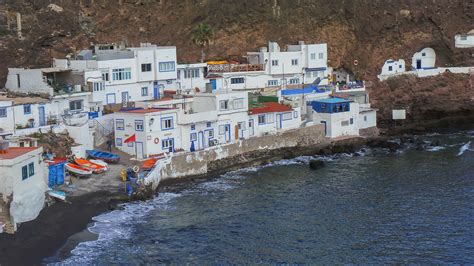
(113, 226)
(464, 148)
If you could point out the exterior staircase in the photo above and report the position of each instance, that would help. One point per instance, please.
(5, 219)
(101, 133)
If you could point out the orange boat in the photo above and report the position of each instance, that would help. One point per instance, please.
(95, 168)
(78, 170)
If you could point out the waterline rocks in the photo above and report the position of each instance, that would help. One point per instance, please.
(316, 164)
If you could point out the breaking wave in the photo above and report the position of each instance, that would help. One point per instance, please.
(464, 148)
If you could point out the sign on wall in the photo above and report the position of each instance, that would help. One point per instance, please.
(399, 114)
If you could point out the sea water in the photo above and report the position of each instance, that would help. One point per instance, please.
(413, 206)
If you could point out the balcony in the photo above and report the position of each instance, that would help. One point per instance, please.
(224, 68)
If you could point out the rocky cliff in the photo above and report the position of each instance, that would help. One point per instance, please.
(369, 31)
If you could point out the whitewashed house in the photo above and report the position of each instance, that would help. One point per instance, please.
(392, 67)
(147, 132)
(464, 40)
(424, 59)
(192, 78)
(22, 185)
(339, 116)
(272, 117)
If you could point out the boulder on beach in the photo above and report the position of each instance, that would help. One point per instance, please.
(316, 164)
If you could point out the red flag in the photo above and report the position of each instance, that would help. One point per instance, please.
(131, 139)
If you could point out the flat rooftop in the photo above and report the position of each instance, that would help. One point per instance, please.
(270, 107)
(15, 152)
(333, 100)
(145, 111)
(24, 100)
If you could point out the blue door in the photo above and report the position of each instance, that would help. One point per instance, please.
(156, 92)
(418, 64)
(42, 116)
(214, 84)
(56, 174)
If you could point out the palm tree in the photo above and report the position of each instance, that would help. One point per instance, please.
(202, 37)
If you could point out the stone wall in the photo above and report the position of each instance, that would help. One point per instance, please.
(223, 157)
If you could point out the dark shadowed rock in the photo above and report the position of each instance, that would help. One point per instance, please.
(316, 164)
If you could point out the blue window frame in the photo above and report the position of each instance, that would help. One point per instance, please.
(167, 66)
(111, 99)
(118, 142)
(193, 137)
(119, 124)
(208, 124)
(31, 169)
(27, 109)
(138, 125)
(237, 80)
(166, 123)
(122, 73)
(3, 112)
(261, 120)
(144, 91)
(130, 144)
(167, 144)
(24, 172)
(193, 127)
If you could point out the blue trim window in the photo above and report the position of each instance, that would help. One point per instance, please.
(122, 73)
(118, 142)
(3, 112)
(138, 125)
(193, 137)
(270, 118)
(261, 119)
(167, 66)
(130, 144)
(27, 109)
(167, 145)
(286, 116)
(167, 123)
(193, 127)
(221, 129)
(211, 133)
(119, 124)
(273, 82)
(111, 100)
(237, 80)
(31, 169)
(144, 91)
(24, 172)
(208, 124)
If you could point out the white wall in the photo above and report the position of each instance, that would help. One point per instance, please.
(393, 66)
(31, 80)
(334, 121)
(189, 83)
(427, 57)
(464, 40)
(367, 119)
(274, 127)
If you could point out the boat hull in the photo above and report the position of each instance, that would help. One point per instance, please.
(104, 156)
(78, 170)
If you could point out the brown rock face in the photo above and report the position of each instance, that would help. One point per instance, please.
(369, 31)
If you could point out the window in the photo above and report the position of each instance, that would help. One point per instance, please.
(237, 80)
(221, 129)
(351, 121)
(24, 172)
(423, 54)
(211, 133)
(138, 125)
(238, 103)
(261, 119)
(390, 68)
(119, 124)
(274, 62)
(295, 114)
(273, 82)
(166, 66)
(294, 81)
(191, 73)
(166, 123)
(270, 118)
(75, 105)
(400, 66)
(463, 37)
(3, 112)
(98, 86)
(313, 56)
(208, 124)
(27, 109)
(193, 127)
(224, 105)
(365, 118)
(122, 73)
(118, 142)
(294, 62)
(321, 55)
(167, 145)
(193, 137)
(146, 67)
(105, 74)
(144, 91)
(130, 144)
(286, 116)
(31, 169)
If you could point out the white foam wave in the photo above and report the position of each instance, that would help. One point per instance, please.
(113, 226)
(464, 148)
(435, 148)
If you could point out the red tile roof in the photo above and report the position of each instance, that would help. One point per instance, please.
(15, 152)
(145, 111)
(270, 107)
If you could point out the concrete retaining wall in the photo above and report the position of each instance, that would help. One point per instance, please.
(200, 162)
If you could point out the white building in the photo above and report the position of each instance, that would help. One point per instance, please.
(392, 67)
(464, 40)
(424, 59)
(147, 132)
(22, 185)
(192, 77)
(271, 117)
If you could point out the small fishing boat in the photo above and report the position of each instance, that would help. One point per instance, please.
(100, 162)
(78, 170)
(95, 168)
(61, 195)
(104, 156)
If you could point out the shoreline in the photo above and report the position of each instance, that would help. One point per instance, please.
(45, 236)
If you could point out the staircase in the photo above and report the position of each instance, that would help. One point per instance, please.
(101, 133)
(5, 218)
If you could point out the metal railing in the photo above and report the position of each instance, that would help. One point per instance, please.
(235, 68)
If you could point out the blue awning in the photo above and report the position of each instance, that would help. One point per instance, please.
(316, 69)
